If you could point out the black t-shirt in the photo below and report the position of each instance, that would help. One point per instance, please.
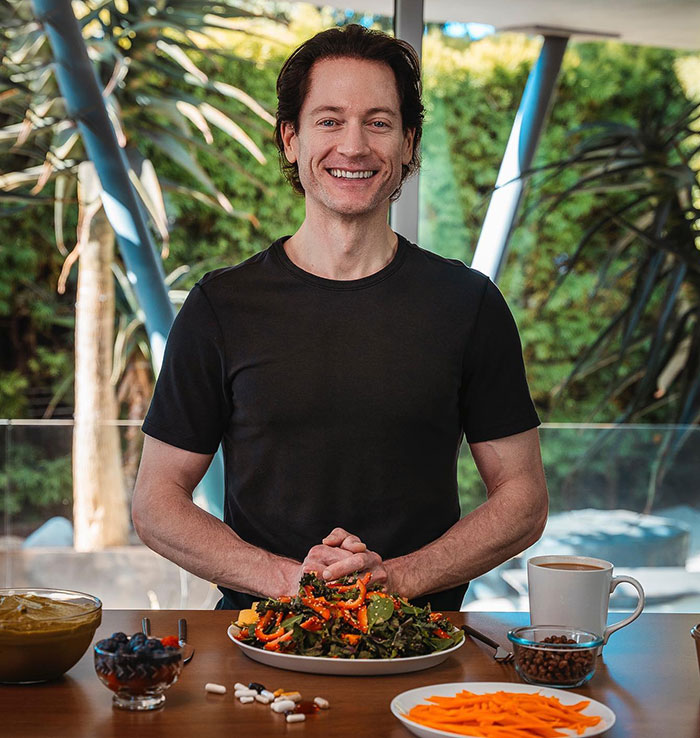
(341, 403)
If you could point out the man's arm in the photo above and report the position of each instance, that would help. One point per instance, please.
(511, 519)
(167, 520)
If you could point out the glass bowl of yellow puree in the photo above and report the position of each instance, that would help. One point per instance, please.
(44, 632)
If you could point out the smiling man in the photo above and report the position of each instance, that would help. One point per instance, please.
(341, 368)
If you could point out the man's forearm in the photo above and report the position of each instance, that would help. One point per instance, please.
(503, 526)
(181, 531)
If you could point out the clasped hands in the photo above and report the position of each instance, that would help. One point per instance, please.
(341, 553)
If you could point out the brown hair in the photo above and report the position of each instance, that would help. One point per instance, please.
(353, 41)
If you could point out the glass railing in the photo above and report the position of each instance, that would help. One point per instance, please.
(627, 494)
(624, 493)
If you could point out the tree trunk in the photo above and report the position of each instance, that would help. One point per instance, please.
(100, 514)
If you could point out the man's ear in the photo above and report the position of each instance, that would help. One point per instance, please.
(409, 136)
(289, 139)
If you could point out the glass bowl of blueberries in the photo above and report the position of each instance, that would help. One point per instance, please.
(138, 668)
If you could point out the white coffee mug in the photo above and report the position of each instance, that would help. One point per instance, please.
(575, 591)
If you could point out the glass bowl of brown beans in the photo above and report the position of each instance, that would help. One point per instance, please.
(554, 655)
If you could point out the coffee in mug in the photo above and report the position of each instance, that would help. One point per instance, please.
(575, 591)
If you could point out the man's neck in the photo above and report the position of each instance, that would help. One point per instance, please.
(342, 249)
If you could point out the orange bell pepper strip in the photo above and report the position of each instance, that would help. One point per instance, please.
(275, 645)
(351, 638)
(362, 594)
(440, 633)
(345, 614)
(317, 604)
(313, 624)
(264, 622)
(362, 618)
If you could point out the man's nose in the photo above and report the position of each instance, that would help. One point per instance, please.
(354, 141)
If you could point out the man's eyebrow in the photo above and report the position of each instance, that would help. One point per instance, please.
(338, 109)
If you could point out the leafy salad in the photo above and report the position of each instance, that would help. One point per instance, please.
(349, 618)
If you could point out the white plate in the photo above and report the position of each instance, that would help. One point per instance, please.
(344, 667)
(403, 702)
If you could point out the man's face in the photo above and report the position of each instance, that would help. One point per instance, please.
(349, 144)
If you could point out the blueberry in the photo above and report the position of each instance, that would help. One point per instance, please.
(120, 637)
(153, 644)
(107, 644)
(137, 640)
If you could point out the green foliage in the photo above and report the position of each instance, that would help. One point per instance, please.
(472, 90)
(13, 385)
(205, 240)
(472, 94)
(36, 323)
(145, 57)
(34, 483)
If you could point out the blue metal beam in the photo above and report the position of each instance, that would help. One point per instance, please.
(80, 89)
(520, 151)
(85, 105)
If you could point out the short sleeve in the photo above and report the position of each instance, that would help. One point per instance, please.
(192, 404)
(495, 400)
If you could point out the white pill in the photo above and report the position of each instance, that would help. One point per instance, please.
(283, 706)
(297, 717)
(263, 700)
(246, 700)
(245, 692)
(238, 685)
(322, 703)
(215, 688)
(268, 694)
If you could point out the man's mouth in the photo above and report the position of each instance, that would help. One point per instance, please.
(347, 174)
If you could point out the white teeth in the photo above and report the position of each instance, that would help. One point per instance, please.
(351, 175)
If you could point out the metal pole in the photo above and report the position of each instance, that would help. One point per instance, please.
(80, 88)
(522, 144)
(408, 26)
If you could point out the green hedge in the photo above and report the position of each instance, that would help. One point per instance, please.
(471, 92)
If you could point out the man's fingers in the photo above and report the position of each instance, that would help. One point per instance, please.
(320, 557)
(340, 538)
(356, 562)
(353, 544)
(335, 537)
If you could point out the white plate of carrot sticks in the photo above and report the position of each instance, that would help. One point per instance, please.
(495, 709)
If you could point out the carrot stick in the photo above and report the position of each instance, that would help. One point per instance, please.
(502, 715)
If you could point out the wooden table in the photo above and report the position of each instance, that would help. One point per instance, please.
(648, 676)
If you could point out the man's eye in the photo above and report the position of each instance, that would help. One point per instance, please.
(379, 124)
(327, 123)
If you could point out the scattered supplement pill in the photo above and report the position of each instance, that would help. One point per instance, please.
(215, 688)
(322, 703)
(283, 706)
(268, 694)
(296, 696)
(278, 692)
(263, 700)
(244, 693)
(297, 717)
(238, 685)
(256, 686)
(306, 706)
(245, 699)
